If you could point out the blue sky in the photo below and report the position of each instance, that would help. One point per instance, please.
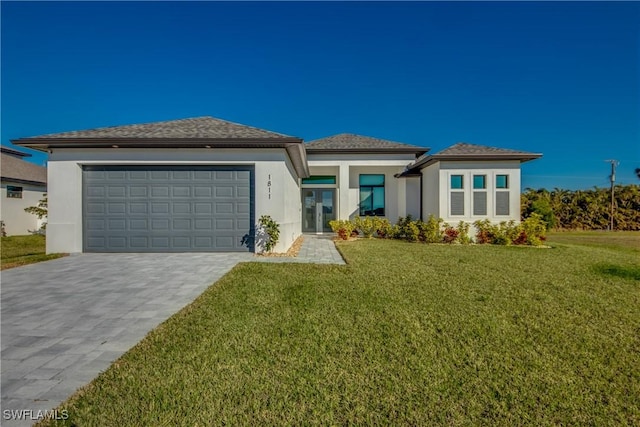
(558, 78)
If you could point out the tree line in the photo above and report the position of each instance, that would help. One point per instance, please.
(584, 209)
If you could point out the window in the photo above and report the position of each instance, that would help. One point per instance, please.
(502, 197)
(457, 197)
(479, 195)
(502, 203)
(502, 181)
(320, 179)
(14, 192)
(371, 195)
(479, 182)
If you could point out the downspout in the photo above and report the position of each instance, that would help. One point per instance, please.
(421, 218)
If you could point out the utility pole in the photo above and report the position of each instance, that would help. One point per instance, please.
(612, 178)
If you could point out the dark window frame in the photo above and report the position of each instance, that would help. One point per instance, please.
(14, 192)
(363, 211)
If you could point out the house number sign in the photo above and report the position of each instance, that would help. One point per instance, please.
(269, 186)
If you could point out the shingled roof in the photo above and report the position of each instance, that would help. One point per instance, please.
(13, 168)
(348, 142)
(198, 127)
(198, 132)
(464, 151)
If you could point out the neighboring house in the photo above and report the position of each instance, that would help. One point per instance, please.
(201, 184)
(23, 185)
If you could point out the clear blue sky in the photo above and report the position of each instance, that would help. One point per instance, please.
(557, 78)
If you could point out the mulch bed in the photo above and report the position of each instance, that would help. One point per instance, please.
(292, 252)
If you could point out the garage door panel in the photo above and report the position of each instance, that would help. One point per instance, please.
(203, 208)
(116, 175)
(167, 208)
(95, 191)
(138, 175)
(202, 192)
(160, 208)
(141, 242)
(161, 191)
(117, 224)
(116, 208)
(242, 208)
(138, 208)
(138, 191)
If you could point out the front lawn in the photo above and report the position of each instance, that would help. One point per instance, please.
(406, 334)
(22, 250)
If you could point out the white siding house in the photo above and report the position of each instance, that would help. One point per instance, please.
(23, 185)
(202, 184)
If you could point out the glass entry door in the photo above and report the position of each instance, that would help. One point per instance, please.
(318, 208)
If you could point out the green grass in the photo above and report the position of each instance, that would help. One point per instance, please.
(615, 240)
(406, 334)
(22, 250)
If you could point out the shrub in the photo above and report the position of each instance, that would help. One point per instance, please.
(406, 229)
(535, 229)
(366, 225)
(383, 227)
(344, 228)
(530, 232)
(272, 231)
(463, 232)
(484, 231)
(431, 230)
(450, 234)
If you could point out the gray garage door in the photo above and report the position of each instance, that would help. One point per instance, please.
(167, 209)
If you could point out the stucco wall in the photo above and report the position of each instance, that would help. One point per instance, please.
(272, 166)
(490, 169)
(16, 220)
(431, 191)
(413, 196)
(348, 168)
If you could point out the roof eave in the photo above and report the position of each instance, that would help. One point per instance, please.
(409, 150)
(429, 160)
(293, 146)
(23, 181)
(45, 143)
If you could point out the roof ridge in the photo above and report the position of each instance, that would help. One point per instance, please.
(183, 128)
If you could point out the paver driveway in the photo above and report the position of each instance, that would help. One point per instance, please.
(66, 320)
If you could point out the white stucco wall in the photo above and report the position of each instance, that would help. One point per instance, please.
(468, 169)
(16, 220)
(348, 167)
(431, 191)
(282, 202)
(413, 196)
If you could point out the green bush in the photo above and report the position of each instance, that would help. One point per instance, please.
(535, 229)
(530, 232)
(272, 231)
(463, 232)
(366, 225)
(383, 227)
(343, 227)
(406, 229)
(431, 230)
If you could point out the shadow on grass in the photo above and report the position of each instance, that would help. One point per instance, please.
(625, 272)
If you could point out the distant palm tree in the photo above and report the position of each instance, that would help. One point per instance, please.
(638, 172)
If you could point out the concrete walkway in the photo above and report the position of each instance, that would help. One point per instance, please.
(64, 321)
(316, 249)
